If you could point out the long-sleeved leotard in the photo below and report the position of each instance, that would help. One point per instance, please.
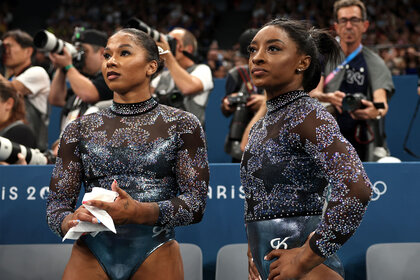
(293, 153)
(155, 152)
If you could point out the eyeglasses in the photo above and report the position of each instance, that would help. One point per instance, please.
(353, 20)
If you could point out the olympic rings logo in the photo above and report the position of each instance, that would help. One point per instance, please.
(379, 188)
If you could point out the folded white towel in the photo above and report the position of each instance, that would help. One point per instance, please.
(107, 224)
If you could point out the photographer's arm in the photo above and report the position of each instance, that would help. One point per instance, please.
(370, 111)
(226, 107)
(335, 98)
(57, 96)
(186, 83)
(81, 85)
(16, 85)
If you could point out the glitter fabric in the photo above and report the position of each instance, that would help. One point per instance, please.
(155, 152)
(293, 154)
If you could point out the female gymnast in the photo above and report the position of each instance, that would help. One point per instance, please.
(294, 155)
(153, 156)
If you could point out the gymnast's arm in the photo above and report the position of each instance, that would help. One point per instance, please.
(65, 181)
(351, 189)
(192, 173)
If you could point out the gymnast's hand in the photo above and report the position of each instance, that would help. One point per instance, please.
(126, 210)
(72, 220)
(252, 269)
(292, 263)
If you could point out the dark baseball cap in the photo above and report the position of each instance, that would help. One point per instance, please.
(245, 39)
(91, 36)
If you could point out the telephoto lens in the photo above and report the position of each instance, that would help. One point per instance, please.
(140, 25)
(46, 41)
(9, 151)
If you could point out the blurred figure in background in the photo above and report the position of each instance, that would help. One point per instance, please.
(184, 84)
(12, 121)
(242, 98)
(359, 93)
(31, 82)
(87, 85)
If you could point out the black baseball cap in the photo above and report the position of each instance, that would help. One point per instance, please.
(90, 36)
(245, 39)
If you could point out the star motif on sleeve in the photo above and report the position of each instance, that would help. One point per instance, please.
(191, 139)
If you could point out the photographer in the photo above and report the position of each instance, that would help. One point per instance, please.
(192, 81)
(12, 118)
(31, 82)
(87, 85)
(242, 98)
(365, 78)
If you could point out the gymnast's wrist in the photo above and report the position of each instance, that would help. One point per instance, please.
(309, 258)
(146, 213)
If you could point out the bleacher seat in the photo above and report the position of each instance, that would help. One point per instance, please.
(47, 261)
(232, 262)
(393, 261)
(33, 261)
(192, 259)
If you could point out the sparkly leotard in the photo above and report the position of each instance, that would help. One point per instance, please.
(293, 154)
(155, 152)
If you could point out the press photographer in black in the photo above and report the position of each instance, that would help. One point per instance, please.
(242, 98)
(83, 72)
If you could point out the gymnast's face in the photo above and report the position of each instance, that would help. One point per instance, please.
(273, 61)
(125, 67)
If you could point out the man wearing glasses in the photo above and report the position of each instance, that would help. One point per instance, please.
(359, 88)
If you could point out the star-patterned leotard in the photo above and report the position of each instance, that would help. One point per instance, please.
(293, 154)
(156, 154)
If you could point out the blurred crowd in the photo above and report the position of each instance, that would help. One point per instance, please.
(394, 30)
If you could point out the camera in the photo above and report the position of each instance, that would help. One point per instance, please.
(240, 117)
(9, 151)
(173, 98)
(48, 42)
(239, 99)
(353, 102)
(140, 25)
(240, 120)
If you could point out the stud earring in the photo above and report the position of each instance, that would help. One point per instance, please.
(299, 70)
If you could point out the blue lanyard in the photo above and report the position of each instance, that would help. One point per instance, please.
(341, 66)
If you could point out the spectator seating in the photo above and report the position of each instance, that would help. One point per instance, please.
(232, 262)
(33, 261)
(192, 258)
(390, 261)
(47, 261)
